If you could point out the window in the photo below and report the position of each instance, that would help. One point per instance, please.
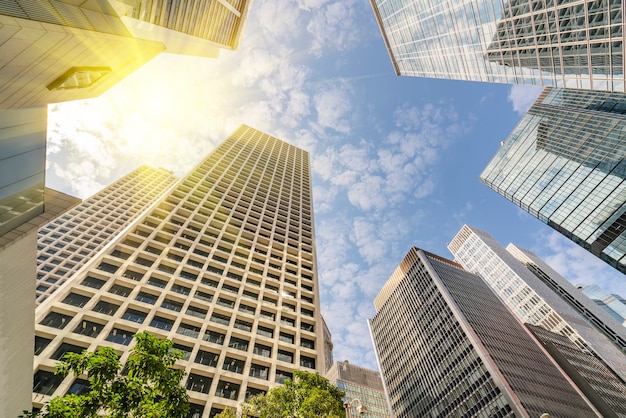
(120, 336)
(306, 312)
(238, 344)
(243, 325)
(233, 365)
(147, 298)
(120, 290)
(285, 356)
(195, 411)
(105, 307)
(132, 275)
(188, 330)
(64, 348)
(79, 387)
(45, 382)
(162, 323)
(287, 338)
(88, 328)
(307, 362)
(56, 320)
(214, 337)
(40, 344)
(93, 282)
(207, 358)
(265, 331)
(134, 315)
(247, 309)
(199, 383)
(172, 305)
(281, 376)
(157, 282)
(226, 303)
(108, 267)
(220, 319)
(306, 343)
(227, 390)
(75, 299)
(181, 289)
(258, 371)
(262, 350)
(184, 349)
(203, 296)
(307, 327)
(285, 320)
(197, 312)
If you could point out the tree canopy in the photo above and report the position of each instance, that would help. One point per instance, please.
(147, 387)
(308, 395)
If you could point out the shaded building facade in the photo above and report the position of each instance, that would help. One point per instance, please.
(613, 304)
(564, 163)
(442, 354)
(551, 43)
(224, 265)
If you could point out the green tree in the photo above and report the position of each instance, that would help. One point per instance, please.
(308, 395)
(147, 387)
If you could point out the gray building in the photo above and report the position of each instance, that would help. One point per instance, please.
(611, 303)
(564, 163)
(223, 264)
(551, 43)
(441, 353)
(530, 298)
(365, 393)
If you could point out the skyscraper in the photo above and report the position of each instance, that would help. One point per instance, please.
(224, 265)
(365, 394)
(561, 44)
(614, 305)
(565, 164)
(530, 299)
(441, 353)
(74, 238)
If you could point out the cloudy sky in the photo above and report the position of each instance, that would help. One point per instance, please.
(396, 160)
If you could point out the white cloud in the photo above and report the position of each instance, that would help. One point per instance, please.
(522, 97)
(332, 107)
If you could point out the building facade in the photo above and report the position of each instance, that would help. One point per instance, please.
(74, 238)
(563, 44)
(224, 265)
(564, 163)
(442, 354)
(598, 382)
(365, 394)
(612, 304)
(528, 297)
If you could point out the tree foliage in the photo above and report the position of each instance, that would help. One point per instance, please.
(147, 387)
(308, 395)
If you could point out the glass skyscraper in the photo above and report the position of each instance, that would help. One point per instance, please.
(223, 264)
(565, 164)
(576, 44)
(442, 354)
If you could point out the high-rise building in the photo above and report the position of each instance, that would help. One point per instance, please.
(224, 265)
(605, 390)
(365, 394)
(564, 163)
(74, 238)
(441, 353)
(562, 44)
(192, 27)
(590, 309)
(611, 303)
(328, 346)
(529, 298)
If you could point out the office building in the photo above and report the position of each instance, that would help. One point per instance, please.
(561, 44)
(605, 390)
(365, 394)
(192, 27)
(74, 238)
(328, 346)
(594, 312)
(529, 298)
(564, 163)
(224, 265)
(441, 353)
(612, 304)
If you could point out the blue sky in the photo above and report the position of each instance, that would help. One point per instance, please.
(396, 160)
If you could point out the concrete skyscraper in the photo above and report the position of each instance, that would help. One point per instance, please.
(441, 353)
(530, 299)
(224, 265)
(565, 163)
(365, 394)
(73, 239)
(575, 44)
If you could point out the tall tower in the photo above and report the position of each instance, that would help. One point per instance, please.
(73, 239)
(565, 163)
(614, 305)
(561, 44)
(441, 353)
(530, 299)
(224, 265)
